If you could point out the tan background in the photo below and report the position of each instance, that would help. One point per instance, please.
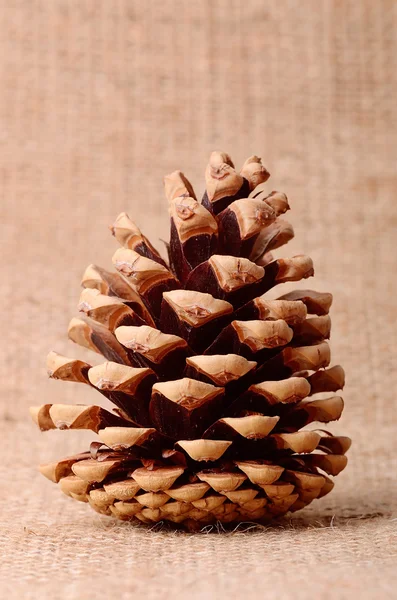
(98, 100)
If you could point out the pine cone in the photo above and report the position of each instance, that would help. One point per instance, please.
(210, 378)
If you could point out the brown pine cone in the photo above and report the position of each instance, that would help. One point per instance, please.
(211, 379)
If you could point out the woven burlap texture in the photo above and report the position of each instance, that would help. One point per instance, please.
(99, 99)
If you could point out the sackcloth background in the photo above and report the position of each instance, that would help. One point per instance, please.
(98, 100)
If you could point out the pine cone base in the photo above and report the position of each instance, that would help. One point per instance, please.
(252, 493)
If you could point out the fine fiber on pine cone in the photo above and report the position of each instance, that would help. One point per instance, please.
(212, 380)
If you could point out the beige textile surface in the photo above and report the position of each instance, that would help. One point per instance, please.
(98, 100)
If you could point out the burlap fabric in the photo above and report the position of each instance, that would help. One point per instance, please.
(99, 99)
